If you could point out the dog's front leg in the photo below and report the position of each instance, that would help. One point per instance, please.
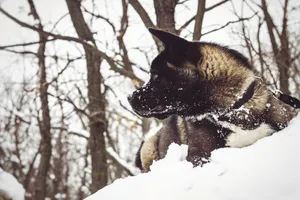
(202, 138)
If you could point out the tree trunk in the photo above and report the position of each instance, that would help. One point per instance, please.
(40, 191)
(96, 104)
(165, 16)
(199, 20)
(285, 55)
(45, 127)
(281, 54)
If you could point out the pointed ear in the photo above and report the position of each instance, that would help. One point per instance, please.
(168, 39)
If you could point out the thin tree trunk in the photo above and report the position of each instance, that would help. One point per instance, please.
(199, 20)
(46, 146)
(284, 53)
(96, 104)
(40, 191)
(281, 54)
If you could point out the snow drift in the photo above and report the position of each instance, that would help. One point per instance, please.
(10, 186)
(266, 170)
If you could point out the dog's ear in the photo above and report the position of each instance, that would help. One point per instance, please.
(169, 40)
(177, 48)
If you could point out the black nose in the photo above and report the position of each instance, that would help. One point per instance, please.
(129, 98)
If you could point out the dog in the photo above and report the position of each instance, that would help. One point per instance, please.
(210, 96)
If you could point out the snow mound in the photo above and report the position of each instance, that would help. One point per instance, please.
(10, 185)
(266, 170)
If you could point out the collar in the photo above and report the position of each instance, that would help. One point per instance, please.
(287, 99)
(247, 95)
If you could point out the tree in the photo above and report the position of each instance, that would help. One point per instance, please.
(45, 123)
(281, 62)
(96, 105)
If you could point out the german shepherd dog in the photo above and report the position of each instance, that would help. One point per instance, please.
(211, 97)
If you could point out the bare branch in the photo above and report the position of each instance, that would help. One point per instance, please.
(110, 60)
(34, 13)
(79, 135)
(145, 18)
(193, 18)
(127, 167)
(142, 13)
(66, 66)
(21, 52)
(121, 104)
(216, 5)
(59, 20)
(185, 25)
(182, 2)
(22, 44)
(101, 17)
(72, 103)
(228, 23)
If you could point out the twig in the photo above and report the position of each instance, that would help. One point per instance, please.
(227, 24)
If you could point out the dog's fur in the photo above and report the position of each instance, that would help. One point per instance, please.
(211, 97)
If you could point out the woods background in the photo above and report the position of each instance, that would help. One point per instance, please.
(66, 129)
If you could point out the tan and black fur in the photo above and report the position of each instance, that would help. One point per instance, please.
(211, 96)
(4, 195)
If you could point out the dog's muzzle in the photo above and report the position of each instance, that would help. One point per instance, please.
(130, 98)
(136, 103)
(142, 107)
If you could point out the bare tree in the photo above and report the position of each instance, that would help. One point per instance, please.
(279, 60)
(44, 124)
(165, 16)
(96, 99)
(281, 49)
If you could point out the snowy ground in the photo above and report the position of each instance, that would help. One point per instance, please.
(11, 187)
(267, 170)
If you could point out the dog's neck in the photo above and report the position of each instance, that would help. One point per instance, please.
(238, 104)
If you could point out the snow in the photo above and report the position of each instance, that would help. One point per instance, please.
(266, 170)
(10, 185)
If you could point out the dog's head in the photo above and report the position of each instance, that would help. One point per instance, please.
(173, 84)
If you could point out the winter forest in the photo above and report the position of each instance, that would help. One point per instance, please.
(67, 67)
